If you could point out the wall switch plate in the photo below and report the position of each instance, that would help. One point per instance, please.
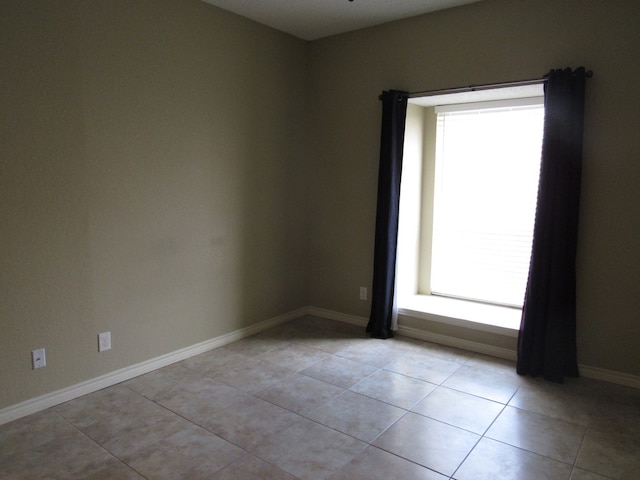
(104, 341)
(38, 358)
(363, 293)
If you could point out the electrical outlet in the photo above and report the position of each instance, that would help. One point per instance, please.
(363, 293)
(38, 358)
(104, 341)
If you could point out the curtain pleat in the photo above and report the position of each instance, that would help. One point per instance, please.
(547, 337)
(394, 110)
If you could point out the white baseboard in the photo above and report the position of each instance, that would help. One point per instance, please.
(586, 371)
(420, 334)
(48, 400)
(340, 317)
(610, 376)
(462, 344)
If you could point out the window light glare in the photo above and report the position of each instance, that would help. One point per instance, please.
(487, 168)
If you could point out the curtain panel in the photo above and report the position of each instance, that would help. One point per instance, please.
(547, 337)
(394, 110)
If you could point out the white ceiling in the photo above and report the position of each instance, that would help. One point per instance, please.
(313, 19)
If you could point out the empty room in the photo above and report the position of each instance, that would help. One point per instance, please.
(276, 240)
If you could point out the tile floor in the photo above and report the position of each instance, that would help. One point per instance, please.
(317, 399)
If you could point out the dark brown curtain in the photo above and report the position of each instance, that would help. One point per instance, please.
(394, 111)
(547, 338)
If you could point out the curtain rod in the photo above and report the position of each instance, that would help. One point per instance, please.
(487, 86)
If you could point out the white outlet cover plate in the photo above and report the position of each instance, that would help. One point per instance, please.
(104, 341)
(38, 358)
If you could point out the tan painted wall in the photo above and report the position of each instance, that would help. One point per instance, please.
(155, 180)
(489, 41)
(152, 182)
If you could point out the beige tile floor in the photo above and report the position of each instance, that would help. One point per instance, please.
(317, 399)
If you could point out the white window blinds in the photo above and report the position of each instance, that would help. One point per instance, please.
(487, 168)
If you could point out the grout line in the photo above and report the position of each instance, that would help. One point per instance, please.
(453, 474)
(100, 445)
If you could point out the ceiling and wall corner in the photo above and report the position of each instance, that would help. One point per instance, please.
(311, 20)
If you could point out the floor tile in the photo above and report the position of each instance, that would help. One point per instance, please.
(294, 357)
(288, 332)
(114, 469)
(376, 464)
(256, 345)
(121, 420)
(484, 383)
(423, 367)
(301, 328)
(201, 399)
(345, 328)
(192, 453)
(459, 409)
(103, 406)
(320, 325)
(300, 394)
(332, 327)
(428, 442)
(580, 474)
(495, 364)
(492, 460)
(328, 337)
(617, 410)
(162, 382)
(537, 433)
(215, 362)
(573, 401)
(141, 432)
(26, 434)
(612, 455)
(444, 352)
(251, 468)
(375, 352)
(250, 422)
(331, 344)
(356, 415)
(71, 456)
(254, 375)
(394, 388)
(407, 345)
(339, 371)
(310, 451)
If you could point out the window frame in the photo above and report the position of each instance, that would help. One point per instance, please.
(416, 224)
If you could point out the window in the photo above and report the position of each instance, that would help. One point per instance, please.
(486, 180)
(470, 177)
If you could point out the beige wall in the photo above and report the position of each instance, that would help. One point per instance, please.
(152, 182)
(489, 41)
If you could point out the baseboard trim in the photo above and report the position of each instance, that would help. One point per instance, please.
(610, 376)
(34, 405)
(586, 371)
(462, 344)
(340, 317)
(420, 334)
(28, 407)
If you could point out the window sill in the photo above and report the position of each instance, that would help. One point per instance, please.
(462, 313)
